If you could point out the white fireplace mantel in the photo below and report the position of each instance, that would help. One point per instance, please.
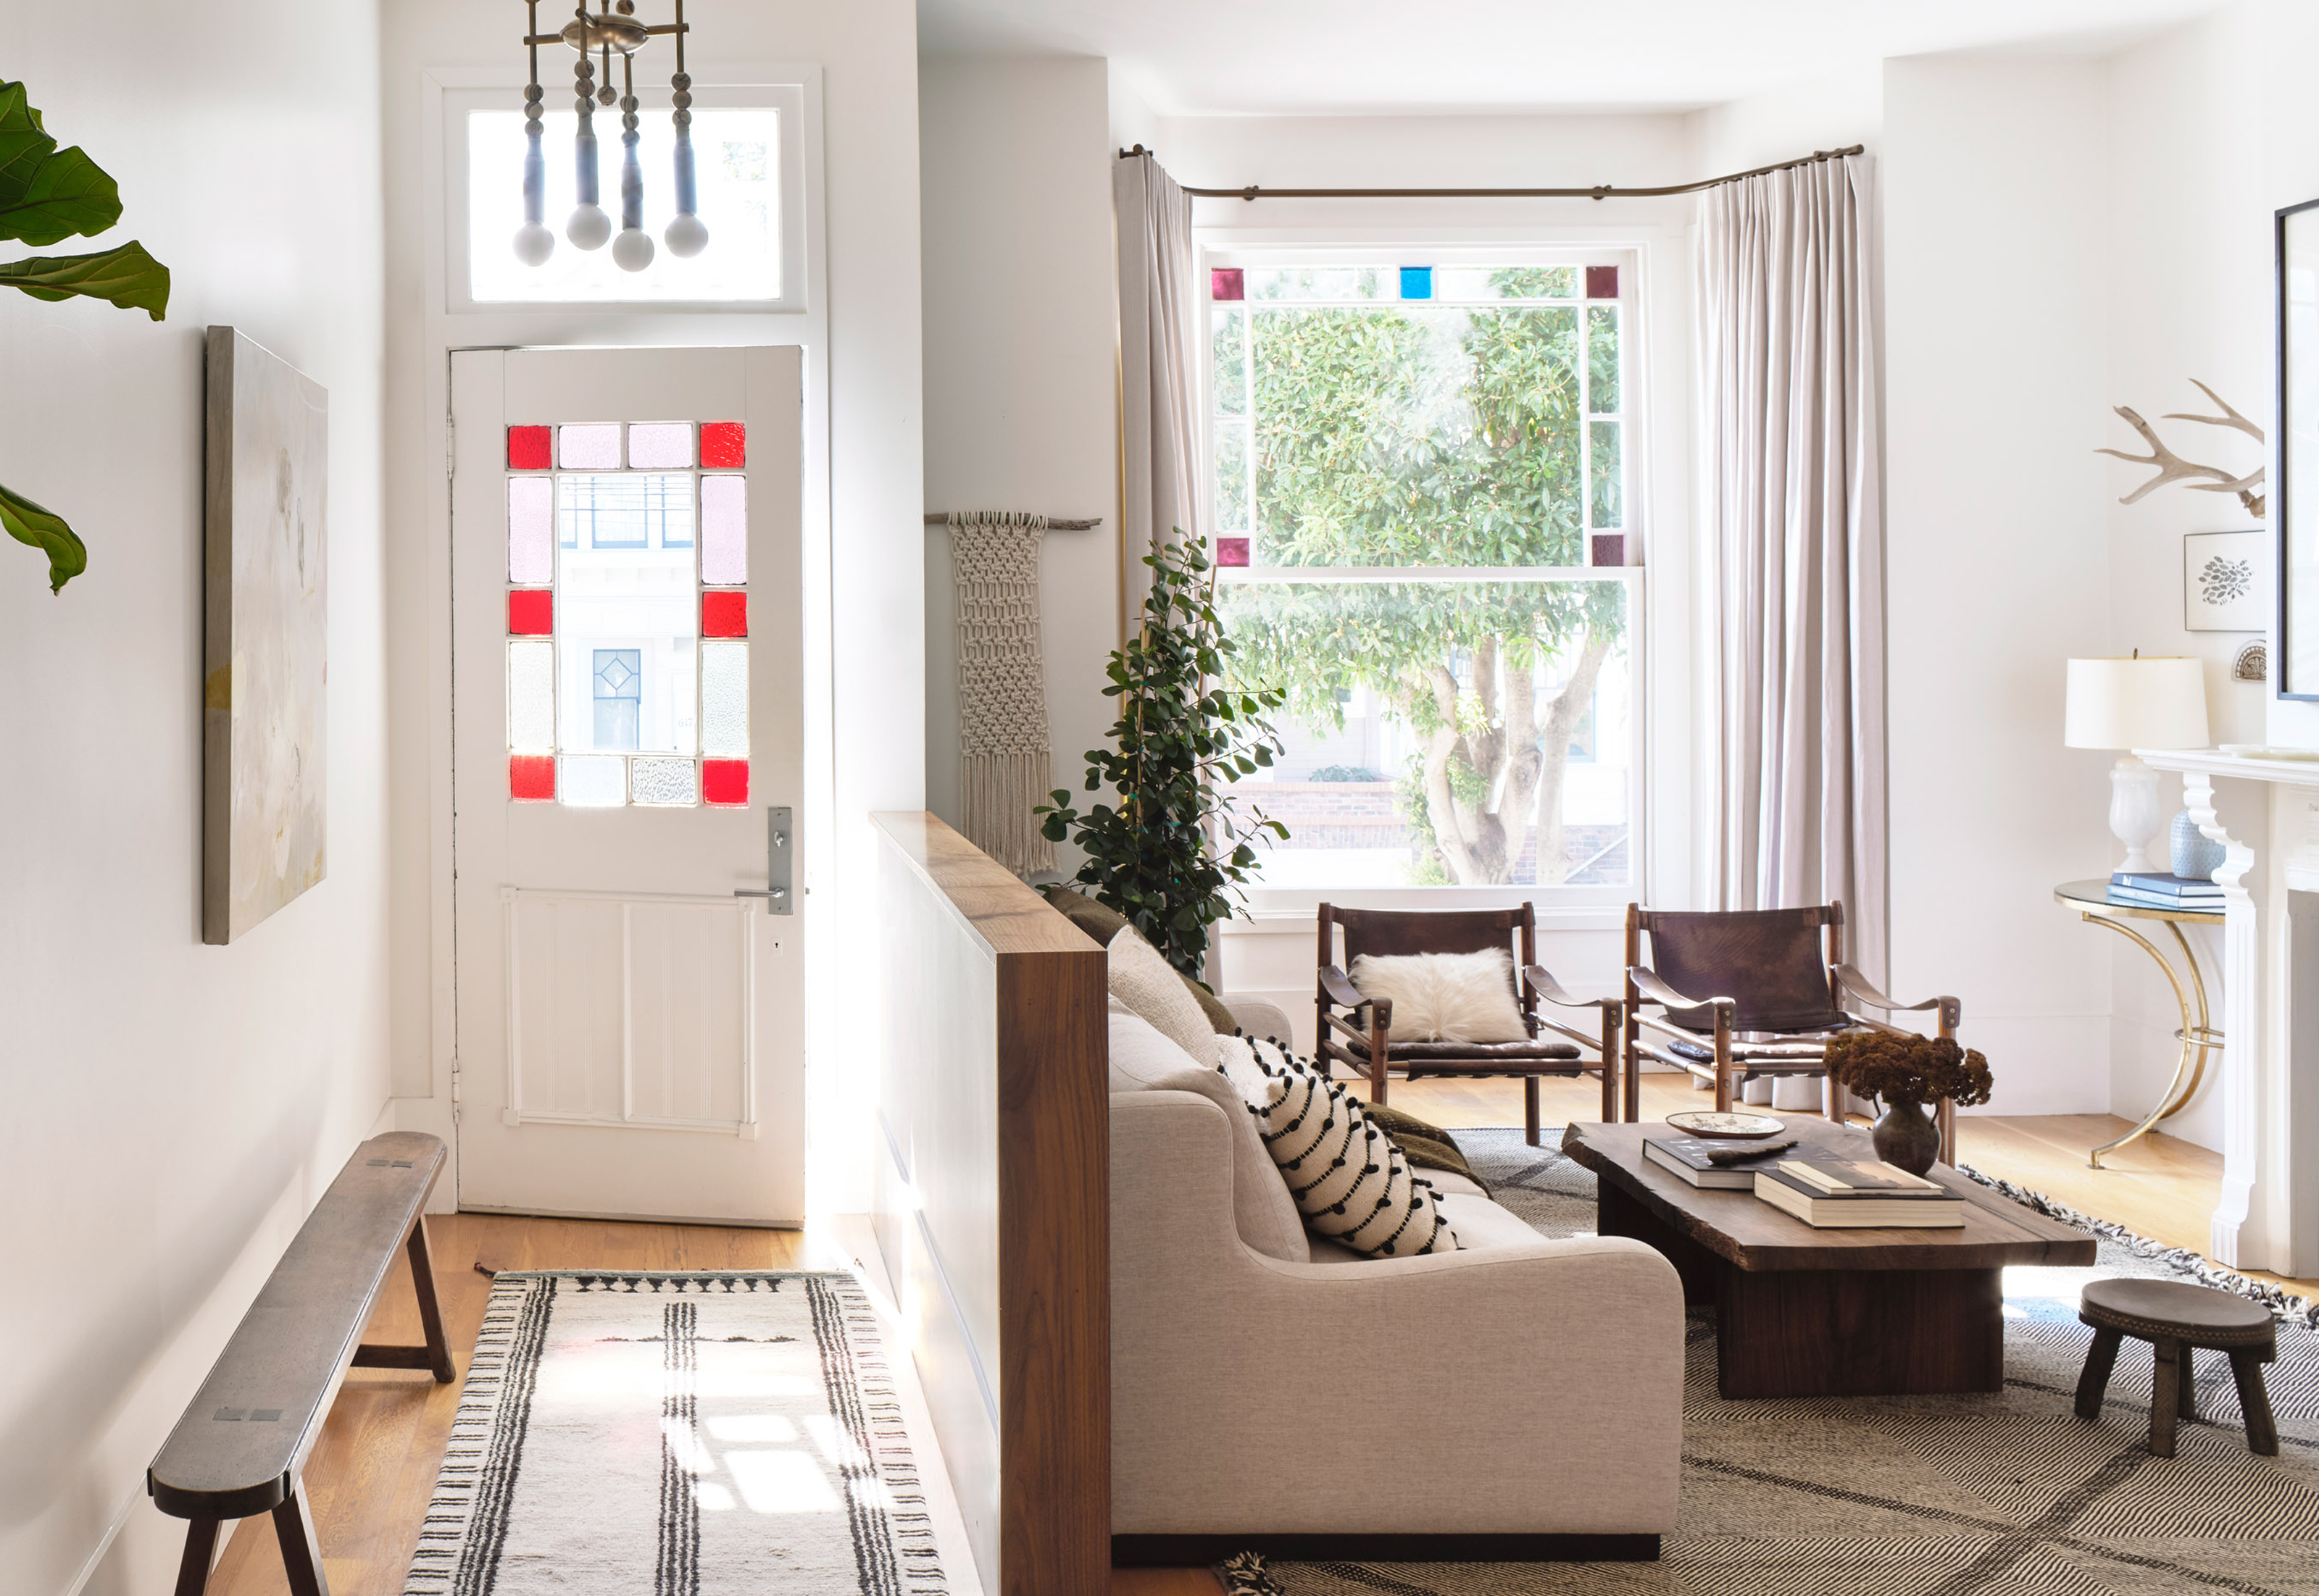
(2265, 813)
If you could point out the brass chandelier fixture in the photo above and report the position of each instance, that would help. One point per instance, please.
(611, 28)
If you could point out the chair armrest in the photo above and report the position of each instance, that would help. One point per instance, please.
(1550, 990)
(1655, 990)
(1951, 1011)
(1338, 987)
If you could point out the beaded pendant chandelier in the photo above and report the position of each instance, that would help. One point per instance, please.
(611, 28)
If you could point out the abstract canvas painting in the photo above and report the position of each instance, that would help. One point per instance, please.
(264, 647)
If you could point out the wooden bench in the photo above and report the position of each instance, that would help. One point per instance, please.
(242, 1445)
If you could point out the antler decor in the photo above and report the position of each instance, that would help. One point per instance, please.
(2173, 468)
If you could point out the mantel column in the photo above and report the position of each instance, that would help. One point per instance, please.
(2239, 1234)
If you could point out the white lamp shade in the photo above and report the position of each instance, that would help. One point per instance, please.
(2137, 703)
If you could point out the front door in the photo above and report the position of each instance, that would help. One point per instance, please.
(627, 714)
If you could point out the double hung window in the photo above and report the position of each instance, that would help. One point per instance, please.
(1421, 477)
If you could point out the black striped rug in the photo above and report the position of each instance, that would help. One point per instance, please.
(2008, 1494)
(694, 1434)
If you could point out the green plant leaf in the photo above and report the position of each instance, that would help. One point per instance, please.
(23, 144)
(126, 275)
(46, 195)
(44, 530)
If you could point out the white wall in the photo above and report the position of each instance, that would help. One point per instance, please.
(1022, 335)
(172, 1109)
(1997, 556)
(864, 556)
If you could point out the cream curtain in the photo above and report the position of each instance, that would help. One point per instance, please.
(1158, 303)
(1794, 507)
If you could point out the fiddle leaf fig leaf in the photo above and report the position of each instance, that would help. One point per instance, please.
(127, 276)
(71, 196)
(44, 530)
(24, 144)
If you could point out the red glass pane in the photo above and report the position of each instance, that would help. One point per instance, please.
(531, 612)
(527, 449)
(1231, 551)
(725, 782)
(1227, 283)
(1602, 282)
(724, 615)
(724, 444)
(531, 778)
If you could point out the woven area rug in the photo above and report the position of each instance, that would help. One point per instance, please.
(677, 1435)
(2006, 1493)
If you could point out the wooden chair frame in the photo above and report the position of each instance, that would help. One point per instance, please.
(1644, 986)
(1533, 985)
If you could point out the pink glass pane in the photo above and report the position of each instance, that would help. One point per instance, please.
(725, 781)
(724, 529)
(531, 778)
(1602, 282)
(725, 615)
(531, 613)
(531, 530)
(527, 449)
(1608, 548)
(724, 444)
(1231, 551)
(1227, 283)
(588, 448)
(659, 446)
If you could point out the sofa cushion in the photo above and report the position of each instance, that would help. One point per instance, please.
(1143, 1060)
(1104, 923)
(1350, 1182)
(1151, 985)
(1445, 996)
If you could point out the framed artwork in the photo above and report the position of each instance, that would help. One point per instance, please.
(2227, 581)
(2294, 478)
(265, 682)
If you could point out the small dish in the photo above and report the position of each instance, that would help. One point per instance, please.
(1733, 1127)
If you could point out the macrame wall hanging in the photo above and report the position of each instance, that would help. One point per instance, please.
(1002, 687)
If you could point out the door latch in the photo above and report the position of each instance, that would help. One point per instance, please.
(780, 842)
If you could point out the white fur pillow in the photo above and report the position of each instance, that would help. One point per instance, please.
(1445, 996)
(1140, 978)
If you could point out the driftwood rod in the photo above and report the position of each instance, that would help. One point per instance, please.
(936, 518)
(1600, 192)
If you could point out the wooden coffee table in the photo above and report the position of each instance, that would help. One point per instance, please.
(1808, 1312)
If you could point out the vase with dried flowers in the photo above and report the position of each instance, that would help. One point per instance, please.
(1903, 1072)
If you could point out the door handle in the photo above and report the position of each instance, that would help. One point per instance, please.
(780, 843)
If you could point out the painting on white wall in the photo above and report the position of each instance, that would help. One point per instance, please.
(2227, 581)
(264, 654)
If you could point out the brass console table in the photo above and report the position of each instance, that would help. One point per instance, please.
(2199, 1039)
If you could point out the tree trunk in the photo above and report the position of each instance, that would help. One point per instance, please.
(1561, 720)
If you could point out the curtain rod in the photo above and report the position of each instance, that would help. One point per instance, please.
(935, 517)
(1601, 192)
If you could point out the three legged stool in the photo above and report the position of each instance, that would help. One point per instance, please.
(2174, 1317)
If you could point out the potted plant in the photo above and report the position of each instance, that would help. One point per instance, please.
(1903, 1072)
(1177, 847)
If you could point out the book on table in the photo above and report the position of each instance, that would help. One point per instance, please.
(1692, 1159)
(1857, 1194)
(2137, 886)
(2134, 899)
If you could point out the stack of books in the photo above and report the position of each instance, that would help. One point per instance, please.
(1829, 1193)
(1711, 1166)
(2153, 890)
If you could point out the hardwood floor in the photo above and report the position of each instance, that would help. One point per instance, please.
(374, 1467)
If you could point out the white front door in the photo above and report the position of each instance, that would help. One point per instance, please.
(627, 723)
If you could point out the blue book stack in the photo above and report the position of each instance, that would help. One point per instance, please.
(2152, 890)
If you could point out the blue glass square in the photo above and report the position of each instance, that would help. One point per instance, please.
(1417, 282)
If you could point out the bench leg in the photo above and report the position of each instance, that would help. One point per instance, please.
(302, 1556)
(200, 1545)
(2093, 1384)
(2165, 1395)
(2254, 1403)
(430, 1312)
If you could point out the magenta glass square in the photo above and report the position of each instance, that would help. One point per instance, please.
(724, 614)
(1602, 282)
(1231, 551)
(1227, 284)
(527, 449)
(531, 613)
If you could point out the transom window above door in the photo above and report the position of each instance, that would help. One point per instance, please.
(628, 652)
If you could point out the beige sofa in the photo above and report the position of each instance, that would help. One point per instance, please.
(1521, 1398)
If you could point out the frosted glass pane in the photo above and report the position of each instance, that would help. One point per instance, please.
(664, 782)
(659, 446)
(531, 531)
(591, 781)
(725, 698)
(589, 449)
(531, 698)
(724, 531)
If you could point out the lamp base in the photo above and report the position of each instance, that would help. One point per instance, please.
(2135, 818)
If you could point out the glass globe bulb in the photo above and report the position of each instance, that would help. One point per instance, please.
(632, 251)
(687, 236)
(588, 228)
(534, 244)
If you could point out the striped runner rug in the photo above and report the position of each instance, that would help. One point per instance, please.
(678, 1434)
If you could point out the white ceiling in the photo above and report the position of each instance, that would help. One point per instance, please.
(1189, 58)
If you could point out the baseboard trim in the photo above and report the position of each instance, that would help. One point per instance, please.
(1202, 1551)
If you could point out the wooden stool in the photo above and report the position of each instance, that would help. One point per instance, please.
(2174, 1316)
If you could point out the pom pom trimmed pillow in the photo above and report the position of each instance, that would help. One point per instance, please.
(1349, 1181)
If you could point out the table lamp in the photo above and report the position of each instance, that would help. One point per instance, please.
(2136, 703)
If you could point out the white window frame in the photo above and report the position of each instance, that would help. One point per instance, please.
(1555, 900)
(799, 155)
